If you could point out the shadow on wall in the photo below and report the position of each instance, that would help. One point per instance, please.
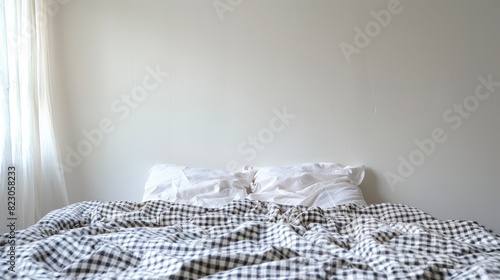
(370, 187)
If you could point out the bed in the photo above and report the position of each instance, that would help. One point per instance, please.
(200, 223)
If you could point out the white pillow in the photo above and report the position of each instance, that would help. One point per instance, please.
(310, 184)
(196, 186)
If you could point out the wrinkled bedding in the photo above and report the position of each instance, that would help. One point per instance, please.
(249, 240)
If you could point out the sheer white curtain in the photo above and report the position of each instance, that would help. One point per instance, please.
(27, 142)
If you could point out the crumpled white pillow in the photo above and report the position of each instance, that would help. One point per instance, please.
(310, 184)
(196, 186)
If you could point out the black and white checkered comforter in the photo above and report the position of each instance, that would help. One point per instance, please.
(249, 240)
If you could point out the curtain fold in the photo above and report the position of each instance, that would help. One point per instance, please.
(28, 143)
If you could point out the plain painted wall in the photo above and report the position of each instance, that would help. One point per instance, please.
(281, 82)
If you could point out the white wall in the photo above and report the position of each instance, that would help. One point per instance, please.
(228, 71)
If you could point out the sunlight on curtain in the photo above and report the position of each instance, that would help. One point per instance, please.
(27, 141)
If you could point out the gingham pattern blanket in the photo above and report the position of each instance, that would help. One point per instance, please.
(249, 240)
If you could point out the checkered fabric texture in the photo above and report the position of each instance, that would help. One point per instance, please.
(250, 240)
